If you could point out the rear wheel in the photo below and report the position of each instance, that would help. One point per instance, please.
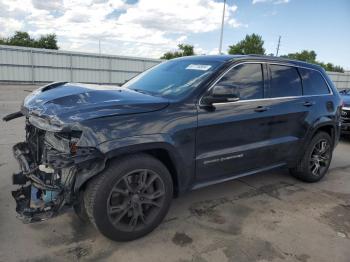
(316, 160)
(129, 198)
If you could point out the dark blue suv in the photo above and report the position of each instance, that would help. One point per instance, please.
(345, 115)
(118, 155)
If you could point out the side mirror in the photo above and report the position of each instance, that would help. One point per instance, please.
(221, 93)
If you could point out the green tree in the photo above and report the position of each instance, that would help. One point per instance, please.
(184, 50)
(251, 44)
(23, 39)
(310, 57)
(331, 67)
(47, 41)
(305, 55)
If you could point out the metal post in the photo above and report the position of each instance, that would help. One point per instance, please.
(278, 45)
(110, 70)
(32, 64)
(71, 67)
(222, 27)
(144, 65)
(100, 62)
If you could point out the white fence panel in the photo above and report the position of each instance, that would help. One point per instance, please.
(12, 73)
(340, 80)
(21, 64)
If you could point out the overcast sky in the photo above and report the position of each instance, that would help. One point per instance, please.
(148, 28)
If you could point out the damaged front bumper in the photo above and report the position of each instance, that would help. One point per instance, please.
(52, 169)
(41, 194)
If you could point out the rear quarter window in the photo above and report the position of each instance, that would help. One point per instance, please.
(313, 82)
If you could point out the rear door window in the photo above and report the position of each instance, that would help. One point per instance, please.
(248, 78)
(313, 82)
(285, 81)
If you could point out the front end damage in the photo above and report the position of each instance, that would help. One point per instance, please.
(52, 168)
(65, 124)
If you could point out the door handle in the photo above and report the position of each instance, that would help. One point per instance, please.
(308, 103)
(260, 109)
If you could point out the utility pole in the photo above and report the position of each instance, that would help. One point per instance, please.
(278, 45)
(222, 27)
(99, 47)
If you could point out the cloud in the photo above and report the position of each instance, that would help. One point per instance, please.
(276, 2)
(9, 25)
(199, 50)
(235, 24)
(148, 27)
(177, 16)
(48, 5)
(214, 51)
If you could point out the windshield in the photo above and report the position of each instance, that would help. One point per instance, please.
(173, 78)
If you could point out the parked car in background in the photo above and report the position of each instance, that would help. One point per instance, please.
(119, 155)
(345, 114)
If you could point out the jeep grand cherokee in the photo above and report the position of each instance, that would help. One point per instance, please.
(345, 115)
(119, 155)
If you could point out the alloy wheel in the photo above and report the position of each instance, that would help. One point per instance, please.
(135, 200)
(320, 157)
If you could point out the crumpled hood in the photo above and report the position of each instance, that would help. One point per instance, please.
(74, 102)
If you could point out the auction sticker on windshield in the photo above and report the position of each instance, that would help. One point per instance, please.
(198, 67)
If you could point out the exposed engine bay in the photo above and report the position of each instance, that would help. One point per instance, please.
(49, 163)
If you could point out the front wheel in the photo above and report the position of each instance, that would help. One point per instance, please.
(130, 197)
(316, 160)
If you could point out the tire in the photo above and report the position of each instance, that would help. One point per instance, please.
(306, 170)
(130, 198)
(80, 210)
